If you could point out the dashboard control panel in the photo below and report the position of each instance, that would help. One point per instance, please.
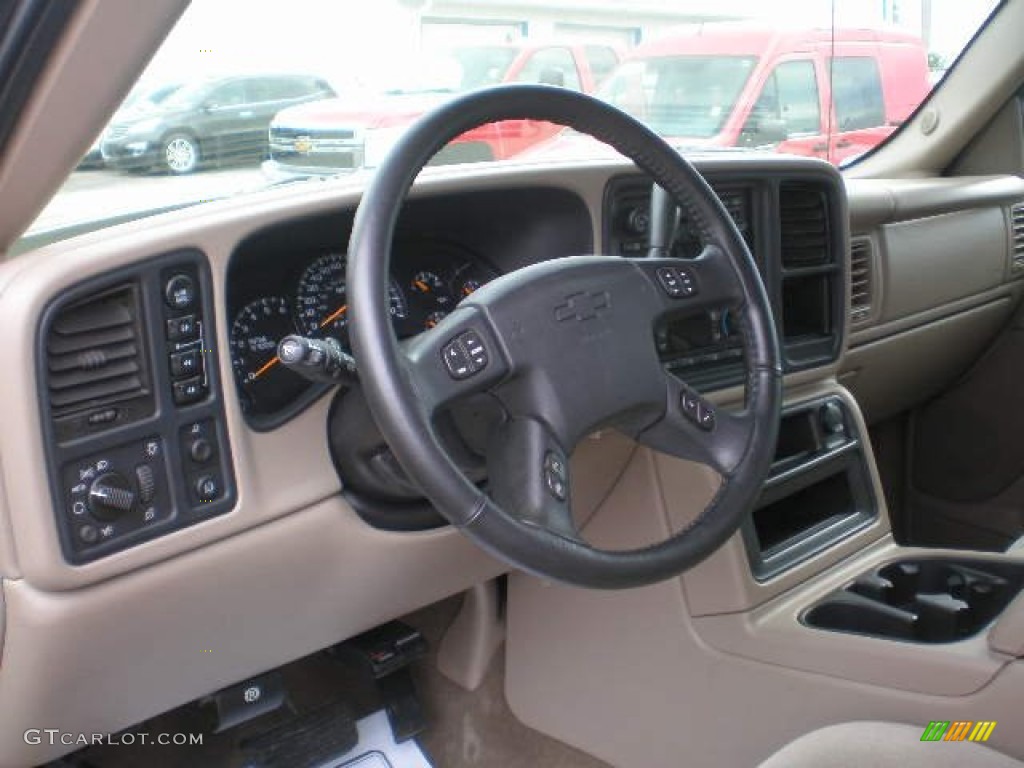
(133, 412)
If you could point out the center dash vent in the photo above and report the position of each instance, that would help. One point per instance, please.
(803, 211)
(1017, 244)
(860, 280)
(94, 353)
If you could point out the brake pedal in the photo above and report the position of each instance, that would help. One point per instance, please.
(304, 741)
(386, 653)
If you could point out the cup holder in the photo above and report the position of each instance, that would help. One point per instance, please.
(923, 601)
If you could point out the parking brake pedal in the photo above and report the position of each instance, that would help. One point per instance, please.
(243, 702)
(386, 653)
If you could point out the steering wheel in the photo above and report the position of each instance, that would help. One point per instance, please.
(566, 347)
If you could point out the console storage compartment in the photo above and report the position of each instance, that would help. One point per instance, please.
(921, 600)
(818, 492)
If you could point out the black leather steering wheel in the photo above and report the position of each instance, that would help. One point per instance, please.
(565, 347)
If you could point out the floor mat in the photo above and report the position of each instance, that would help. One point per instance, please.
(377, 748)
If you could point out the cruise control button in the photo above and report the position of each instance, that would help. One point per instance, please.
(185, 363)
(188, 391)
(180, 292)
(182, 328)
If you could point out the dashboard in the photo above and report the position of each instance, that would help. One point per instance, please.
(135, 416)
(275, 556)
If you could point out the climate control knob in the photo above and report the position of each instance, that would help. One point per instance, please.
(110, 496)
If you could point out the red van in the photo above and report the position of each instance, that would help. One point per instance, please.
(803, 92)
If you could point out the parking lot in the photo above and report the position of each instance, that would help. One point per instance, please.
(98, 194)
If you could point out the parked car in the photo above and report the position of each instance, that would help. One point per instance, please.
(142, 100)
(804, 92)
(224, 118)
(344, 134)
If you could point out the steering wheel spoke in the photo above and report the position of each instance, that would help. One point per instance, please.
(705, 282)
(459, 357)
(695, 429)
(529, 476)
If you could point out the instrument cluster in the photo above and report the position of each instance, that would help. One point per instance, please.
(428, 280)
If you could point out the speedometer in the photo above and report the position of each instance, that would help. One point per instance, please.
(321, 305)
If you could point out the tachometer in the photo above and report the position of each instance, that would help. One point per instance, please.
(264, 384)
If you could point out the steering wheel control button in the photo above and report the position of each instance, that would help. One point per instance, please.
(88, 534)
(690, 403)
(475, 348)
(188, 391)
(705, 416)
(555, 476)
(465, 355)
(677, 282)
(146, 481)
(180, 292)
(697, 410)
(207, 488)
(182, 328)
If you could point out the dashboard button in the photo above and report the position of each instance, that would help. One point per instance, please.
(207, 488)
(182, 328)
(185, 363)
(88, 534)
(188, 391)
(201, 450)
(180, 292)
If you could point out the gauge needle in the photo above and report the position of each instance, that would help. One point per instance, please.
(422, 286)
(274, 361)
(335, 315)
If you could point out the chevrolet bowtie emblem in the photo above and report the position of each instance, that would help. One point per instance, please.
(583, 306)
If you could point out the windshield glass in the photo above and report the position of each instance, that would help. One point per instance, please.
(235, 101)
(680, 95)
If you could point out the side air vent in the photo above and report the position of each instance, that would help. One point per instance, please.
(861, 284)
(1017, 245)
(805, 226)
(94, 353)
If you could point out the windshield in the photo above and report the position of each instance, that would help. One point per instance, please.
(251, 100)
(680, 95)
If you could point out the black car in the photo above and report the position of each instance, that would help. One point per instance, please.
(224, 118)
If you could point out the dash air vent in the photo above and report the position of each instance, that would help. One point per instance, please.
(95, 357)
(805, 226)
(860, 280)
(1017, 246)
